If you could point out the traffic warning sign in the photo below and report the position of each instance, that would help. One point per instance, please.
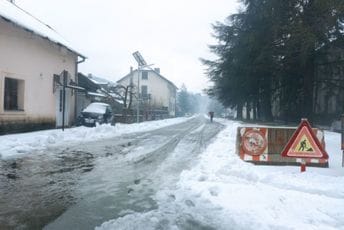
(304, 144)
(254, 141)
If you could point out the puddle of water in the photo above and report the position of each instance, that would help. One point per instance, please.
(39, 187)
(83, 186)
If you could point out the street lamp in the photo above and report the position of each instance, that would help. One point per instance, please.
(141, 63)
(138, 57)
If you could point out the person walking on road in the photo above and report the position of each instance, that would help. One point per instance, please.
(211, 115)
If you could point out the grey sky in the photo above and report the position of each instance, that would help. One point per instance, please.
(171, 34)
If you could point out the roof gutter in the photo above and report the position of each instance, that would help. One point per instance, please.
(82, 59)
(77, 82)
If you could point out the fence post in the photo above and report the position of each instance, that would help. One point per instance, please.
(65, 75)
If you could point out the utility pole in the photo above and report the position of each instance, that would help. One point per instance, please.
(65, 75)
(140, 63)
(138, 95)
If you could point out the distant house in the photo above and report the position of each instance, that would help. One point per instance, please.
(157, 95)
(89, 95)
(31, 53)
(97, 89)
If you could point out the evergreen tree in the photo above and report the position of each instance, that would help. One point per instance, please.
(183, 101)
(266, 54)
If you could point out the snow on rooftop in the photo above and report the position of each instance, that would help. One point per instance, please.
(99, 80)
(15, 14)
(96, 94)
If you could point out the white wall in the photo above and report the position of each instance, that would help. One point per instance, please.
(26, 56)
(162, 92)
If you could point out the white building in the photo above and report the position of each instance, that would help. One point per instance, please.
(157, 93)
(31, 53)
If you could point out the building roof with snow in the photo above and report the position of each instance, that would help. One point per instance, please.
(13, 13)
(93, 84)
(100, 81)
(156, 71)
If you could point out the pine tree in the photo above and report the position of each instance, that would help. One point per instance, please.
(183, 101)
(267, 55)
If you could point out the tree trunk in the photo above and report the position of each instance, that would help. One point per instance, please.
(248, 108)
(130, 99)
(239, 111)
(259, 110)
(266, 106)
(255, 110)
(125, 97)
(308, 85)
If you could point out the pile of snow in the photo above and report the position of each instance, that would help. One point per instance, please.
(223, 192)
(19, 144)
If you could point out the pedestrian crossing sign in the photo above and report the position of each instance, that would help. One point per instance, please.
(304, 144)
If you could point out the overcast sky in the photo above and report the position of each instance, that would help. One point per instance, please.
(171, 34)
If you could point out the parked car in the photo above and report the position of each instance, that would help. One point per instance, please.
(97, 112)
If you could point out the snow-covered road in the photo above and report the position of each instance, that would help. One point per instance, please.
(87, 184)
(175, 177)
(222, 192)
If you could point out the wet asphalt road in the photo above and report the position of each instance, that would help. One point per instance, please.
(82, 186)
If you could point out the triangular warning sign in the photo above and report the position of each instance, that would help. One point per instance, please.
(304, 143)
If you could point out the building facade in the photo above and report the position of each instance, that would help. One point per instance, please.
(31, 53)
(96, 89)
(157, 95)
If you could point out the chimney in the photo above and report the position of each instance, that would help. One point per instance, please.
(131, 69)
(11, 1)
(89, 75)
(157, 70)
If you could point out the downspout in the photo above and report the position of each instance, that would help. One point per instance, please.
(77, 83)
(175, 102)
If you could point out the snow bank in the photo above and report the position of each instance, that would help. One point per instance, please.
(223, 192)
(19, 144)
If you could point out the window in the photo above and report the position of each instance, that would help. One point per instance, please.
(144, 91)
(14, 94)
(144, 75)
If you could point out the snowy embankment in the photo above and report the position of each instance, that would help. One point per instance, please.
(223, 192)
(18, 144)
